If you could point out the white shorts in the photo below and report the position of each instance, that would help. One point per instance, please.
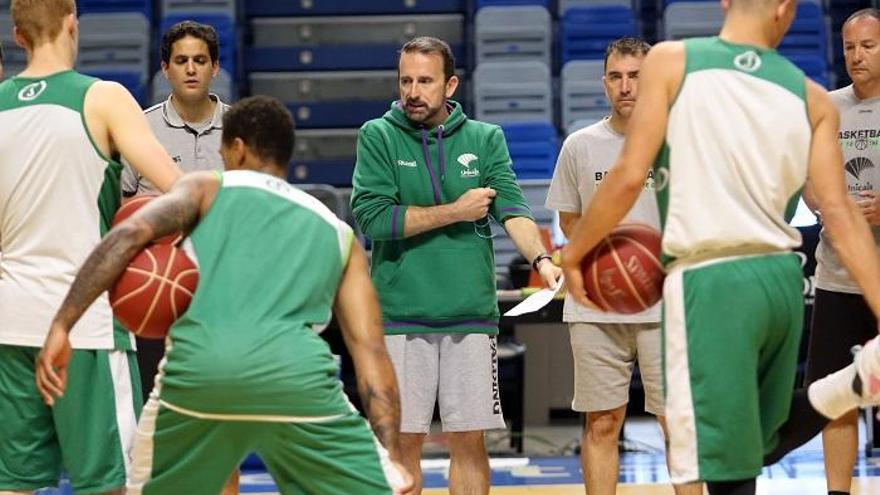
(459, 369)
(604, 356)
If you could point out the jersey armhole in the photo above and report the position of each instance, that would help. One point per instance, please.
(346, 241)
(687, 61)
(85, 125)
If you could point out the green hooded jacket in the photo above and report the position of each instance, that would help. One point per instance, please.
(443, 280)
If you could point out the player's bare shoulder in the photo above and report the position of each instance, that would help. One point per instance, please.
(102, 102)
(666, 61)
(107, 95)
(668, 53)
(201, 186)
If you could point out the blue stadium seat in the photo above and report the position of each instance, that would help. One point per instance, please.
(564, 5)
(15, 56)
(586, 31)
(516, 91)
(533, 147)
(334, 172)
(343, 42)
(583, 93)
(808, 34)
(814, 66)
(116, 47)
(325, 99)
(172, 8)
(691, 18)
(666, 3)
(489, 3)
(324, 156)
(114, 6)
(278, 8)
(521, 32)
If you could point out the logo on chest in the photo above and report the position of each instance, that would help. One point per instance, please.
(469, 167)
(407, 163)
(857, 165)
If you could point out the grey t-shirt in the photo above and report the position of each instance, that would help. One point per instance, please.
(860, 140)
(585, 159)
(192, 146)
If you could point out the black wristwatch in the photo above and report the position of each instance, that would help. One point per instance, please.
(539, 258)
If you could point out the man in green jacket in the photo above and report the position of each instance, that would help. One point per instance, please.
(426, 181)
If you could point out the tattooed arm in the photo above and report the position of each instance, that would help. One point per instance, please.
(176, 211)
(357, 309)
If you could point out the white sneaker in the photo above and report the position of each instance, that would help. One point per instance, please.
(836, 394)
(867, 363)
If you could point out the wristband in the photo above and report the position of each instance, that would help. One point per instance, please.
(539, 258)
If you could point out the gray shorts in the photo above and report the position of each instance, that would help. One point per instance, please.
(604, 356)
(459, 369)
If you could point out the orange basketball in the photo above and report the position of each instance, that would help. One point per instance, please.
(155, 290)
(623, 274)
(131, 205)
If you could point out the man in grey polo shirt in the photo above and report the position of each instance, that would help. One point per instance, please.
(189, 122)
(189, 126)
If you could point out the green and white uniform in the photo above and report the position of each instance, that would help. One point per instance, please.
(735, 158)
(58, 194)
(245, 368)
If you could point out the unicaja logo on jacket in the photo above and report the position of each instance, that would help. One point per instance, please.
(465, 160)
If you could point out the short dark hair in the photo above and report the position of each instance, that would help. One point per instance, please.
(197, 30)
(869, 12)
(427, 45)
(627, 46)
(264, 124)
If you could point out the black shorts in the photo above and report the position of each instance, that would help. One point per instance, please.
(840, 321)
(149, 353)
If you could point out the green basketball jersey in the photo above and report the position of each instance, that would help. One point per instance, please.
(270, 260)
(736, 153)
(58, 195)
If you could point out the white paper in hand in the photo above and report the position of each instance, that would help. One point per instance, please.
(537, 300)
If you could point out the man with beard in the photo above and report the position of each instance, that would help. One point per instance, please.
(433, 261)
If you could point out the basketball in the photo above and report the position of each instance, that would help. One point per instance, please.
(623, 274)
(131, 205)
(155, 289)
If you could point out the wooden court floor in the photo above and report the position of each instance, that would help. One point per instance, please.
(801, 473)
(862, 486)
